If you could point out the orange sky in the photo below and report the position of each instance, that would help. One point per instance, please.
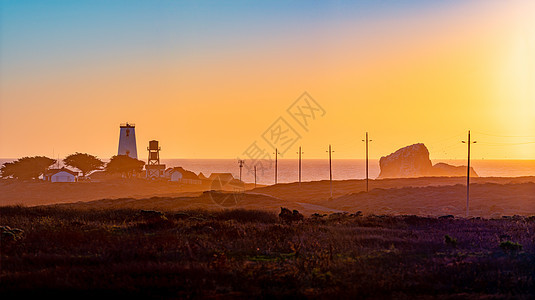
(425, 76)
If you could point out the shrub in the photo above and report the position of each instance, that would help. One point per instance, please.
(450, 241)
(246, 215)
(287, 216)
(510, 246)
(10, 234)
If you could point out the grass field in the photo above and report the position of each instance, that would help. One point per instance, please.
(250, 253)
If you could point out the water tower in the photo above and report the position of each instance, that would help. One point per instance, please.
(154, 153)
(153, 167)
(127, 140)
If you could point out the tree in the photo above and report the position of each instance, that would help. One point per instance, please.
(83, 162)
(125, 165)
(27, 167)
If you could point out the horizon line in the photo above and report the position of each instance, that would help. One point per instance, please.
(523, 159)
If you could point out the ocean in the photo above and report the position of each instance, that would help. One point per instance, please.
(318, 169)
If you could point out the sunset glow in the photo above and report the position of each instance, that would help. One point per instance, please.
(356, 149)
(208, 80)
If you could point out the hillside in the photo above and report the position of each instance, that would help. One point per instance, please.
(489, 200)
(420, 196)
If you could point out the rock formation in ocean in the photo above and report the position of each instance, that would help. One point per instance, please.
(413, 161)
(443, 169)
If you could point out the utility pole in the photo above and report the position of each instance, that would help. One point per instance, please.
(255, 176)
(468, 173)
(300, 165)
(240, 163)
(366, 159)
(330, 170)
(276, 167)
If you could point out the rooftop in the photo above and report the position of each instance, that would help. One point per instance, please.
(128, 125)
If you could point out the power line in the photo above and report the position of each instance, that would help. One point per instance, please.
(505, 144)
(506, 136)
(442, 140)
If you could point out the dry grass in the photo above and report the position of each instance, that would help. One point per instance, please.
(249, 253)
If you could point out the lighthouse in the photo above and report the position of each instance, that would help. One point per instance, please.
(127, 140)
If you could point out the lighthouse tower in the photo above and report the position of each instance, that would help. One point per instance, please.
(127, 140)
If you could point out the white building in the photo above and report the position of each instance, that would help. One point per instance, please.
(178, 174)
(60, 175)
(127, 140)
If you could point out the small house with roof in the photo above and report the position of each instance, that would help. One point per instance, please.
(179, 174)
(225, 181)
(224, 177)
(60, 175)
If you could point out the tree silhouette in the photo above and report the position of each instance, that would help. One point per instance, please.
(125, 165)
(26, 167)
(83, 162)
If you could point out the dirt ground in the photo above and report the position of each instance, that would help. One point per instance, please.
(432, 196)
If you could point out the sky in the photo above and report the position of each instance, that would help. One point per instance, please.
(212, 79)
